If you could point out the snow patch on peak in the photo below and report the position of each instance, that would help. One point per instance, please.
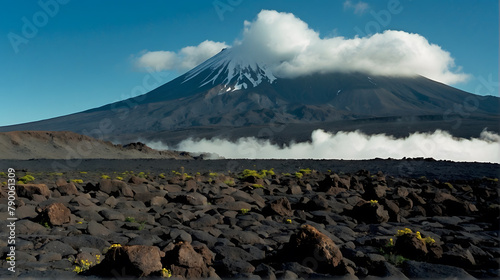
(231, 70)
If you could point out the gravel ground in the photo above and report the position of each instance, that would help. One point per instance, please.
(412, 168)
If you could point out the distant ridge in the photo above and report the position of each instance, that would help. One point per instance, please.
(229, 95)
(23, 145)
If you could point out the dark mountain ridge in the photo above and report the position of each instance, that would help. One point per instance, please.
(228, 93)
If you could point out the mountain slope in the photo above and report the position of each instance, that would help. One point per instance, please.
(227, 92)
(69, 146)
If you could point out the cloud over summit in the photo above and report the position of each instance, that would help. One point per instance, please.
(290, 48)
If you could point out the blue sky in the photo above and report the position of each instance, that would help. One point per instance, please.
(79, 55)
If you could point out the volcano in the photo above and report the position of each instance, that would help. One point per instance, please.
(231, 96)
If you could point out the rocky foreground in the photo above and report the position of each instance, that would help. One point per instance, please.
(256, 224)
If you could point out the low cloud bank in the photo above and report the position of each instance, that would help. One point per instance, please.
(439, 145)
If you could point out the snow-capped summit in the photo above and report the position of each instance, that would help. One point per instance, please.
(232, 71)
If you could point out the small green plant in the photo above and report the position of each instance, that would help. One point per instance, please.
(373, 202)
(142, 225)
(2, 174)
(427, 240)
(130, 220)
(116, 245)
(396, 260)
(79, 181)
(244, 211)
(45, 224)
(492, 179)
(162, 175)
(404, 231)
(26, 178)
(305, 171)
(266, 173)
(213, 174)
(288, 221)
(105, 177)
(449, 185)
(229, 183)
(258, 186)
(298, 175)
(250, 173)
(85, 265)
(390, 243)
(142, 175)
(83, 172)
(119, 178)
(165, 273)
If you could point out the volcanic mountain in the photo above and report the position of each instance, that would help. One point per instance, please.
(231, 96)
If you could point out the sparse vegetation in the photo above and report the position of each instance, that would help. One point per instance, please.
(305, 171)
(229, 183)
(250, 173)
(85, 265)
(244, 211)
(105, 177)
(79, 181)
(165, 273)
(26, 179)
(130, 220)
(396, 260)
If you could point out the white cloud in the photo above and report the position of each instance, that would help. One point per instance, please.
(354, 145)
(289, 47)
(359, 8)
(186, 59)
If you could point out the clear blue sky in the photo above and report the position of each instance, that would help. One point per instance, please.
(81, 53)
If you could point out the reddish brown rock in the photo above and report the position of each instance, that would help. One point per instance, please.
(313, 249)
(281, 207)
(135, 260)
(67, 189)
(115, 187)
(137, 180)
(29, 190)
(183, 260)
(409, 246)
(56, 214)
(370, 212)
